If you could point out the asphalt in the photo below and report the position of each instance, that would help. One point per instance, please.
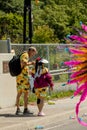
(10, 121)
(58, 110)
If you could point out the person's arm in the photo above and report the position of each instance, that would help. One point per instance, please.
(30, 63)
(49, 80)
(24, 60)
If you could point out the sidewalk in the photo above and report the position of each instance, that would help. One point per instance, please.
(62, 108)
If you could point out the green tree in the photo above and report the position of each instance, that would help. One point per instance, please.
(15, 6)
(11, 26)
(44, 34)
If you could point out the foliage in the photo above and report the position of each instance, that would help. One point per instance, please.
(14, 6)
(57, 16)
(60, 94)
(44, 34)
(11, 27)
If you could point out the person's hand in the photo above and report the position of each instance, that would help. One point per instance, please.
(33, 62)
(51, 88)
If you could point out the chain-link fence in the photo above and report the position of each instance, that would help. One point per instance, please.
(56, 54)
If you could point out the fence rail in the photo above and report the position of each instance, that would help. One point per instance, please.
(56, 54)
(60, 71)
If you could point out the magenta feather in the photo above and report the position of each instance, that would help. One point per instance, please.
(76, 73)
(75, 51)
(84, 94)
(76, 80)
(84, 27)
(72, 63)
(78, 38)
(80, 89)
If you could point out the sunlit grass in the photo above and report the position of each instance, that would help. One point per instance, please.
(53, 95)
(60, 94)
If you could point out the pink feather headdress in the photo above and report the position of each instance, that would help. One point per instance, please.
(79, 62)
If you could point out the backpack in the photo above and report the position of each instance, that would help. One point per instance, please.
(15, 66)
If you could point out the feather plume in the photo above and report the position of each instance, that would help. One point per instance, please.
(78, 38)
(72, 63)
(79, 62)
(84, 27)
(75, 51)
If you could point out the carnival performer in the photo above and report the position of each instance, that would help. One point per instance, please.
(42, 80)
(22, 81)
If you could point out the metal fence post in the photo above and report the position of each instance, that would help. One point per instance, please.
(48, 56)
(9, 44)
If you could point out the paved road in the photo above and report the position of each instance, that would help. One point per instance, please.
(57, 117)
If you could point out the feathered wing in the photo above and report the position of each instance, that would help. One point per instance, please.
(79, 62)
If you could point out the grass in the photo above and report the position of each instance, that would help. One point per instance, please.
(59, 95)
(54, 95)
